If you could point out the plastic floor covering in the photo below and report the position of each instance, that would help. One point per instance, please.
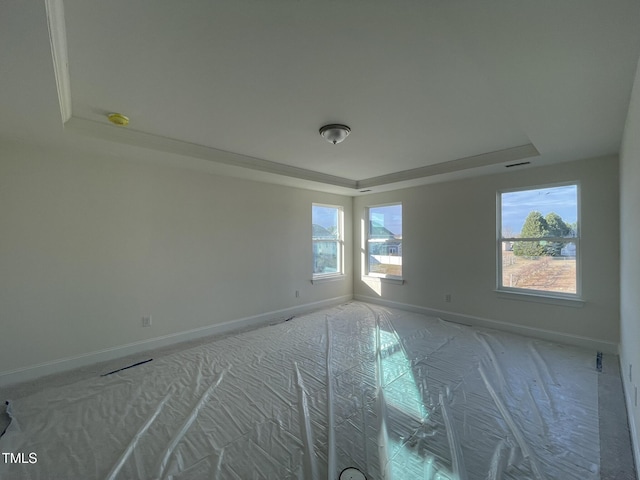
(395, 394)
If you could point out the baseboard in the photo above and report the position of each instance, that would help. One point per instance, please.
(629, 402)
(57, 366)
(549, 335)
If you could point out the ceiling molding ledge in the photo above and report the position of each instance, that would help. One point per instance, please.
(159, 143)
(475, 161)
(60, 56)
(169, 145)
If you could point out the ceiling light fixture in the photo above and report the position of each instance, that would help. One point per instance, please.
(118, 119)
(335, 133)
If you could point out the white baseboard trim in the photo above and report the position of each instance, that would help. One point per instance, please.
(64, 364)
(629, 402)
(549, 335)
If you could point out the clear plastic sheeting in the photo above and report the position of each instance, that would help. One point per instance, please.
(396, 395)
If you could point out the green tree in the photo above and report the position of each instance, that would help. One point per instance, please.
(574, 229)
(535, 226)
(556, 227)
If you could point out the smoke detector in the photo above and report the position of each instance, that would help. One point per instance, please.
(118, 119)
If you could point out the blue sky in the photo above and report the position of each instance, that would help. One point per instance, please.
(324, 216)
(517, 205)
(390, 216)
(515, 208)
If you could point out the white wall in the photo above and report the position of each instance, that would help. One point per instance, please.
(630, 260)
(89, 245)
(449, 235)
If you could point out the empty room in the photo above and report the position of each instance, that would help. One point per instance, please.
(288, 239)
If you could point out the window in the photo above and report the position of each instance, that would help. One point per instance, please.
(327, 239)
(384, 241)
(539, 241)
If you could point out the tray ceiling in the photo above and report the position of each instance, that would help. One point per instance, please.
(428, 88)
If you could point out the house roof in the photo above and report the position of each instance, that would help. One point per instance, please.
(319, 231)
(379, 231)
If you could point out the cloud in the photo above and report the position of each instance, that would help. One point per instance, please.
(517, 205)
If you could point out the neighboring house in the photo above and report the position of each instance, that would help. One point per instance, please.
(321, 233)
(385, 242)
(569, 250)
(325, 253)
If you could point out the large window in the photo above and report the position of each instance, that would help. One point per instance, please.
(327, 237)
(384, 240)
(539, 241)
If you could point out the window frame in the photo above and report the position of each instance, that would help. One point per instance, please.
(528, 293)
(339, 244)
(367, 234)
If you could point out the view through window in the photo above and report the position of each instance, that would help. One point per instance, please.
(384, 240)
(538, 241)
(327, 238)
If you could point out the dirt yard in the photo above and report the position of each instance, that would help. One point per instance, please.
(545, 273)
(395, 270)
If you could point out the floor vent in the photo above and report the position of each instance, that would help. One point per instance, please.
(124, 368)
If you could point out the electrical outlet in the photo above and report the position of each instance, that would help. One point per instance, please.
(297, 293)
(447, 297)
(146, 321)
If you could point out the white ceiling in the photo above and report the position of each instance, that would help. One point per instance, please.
(242, 86)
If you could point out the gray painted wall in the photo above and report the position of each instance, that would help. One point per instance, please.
(89, 245)
(449, 246)
(630, 260)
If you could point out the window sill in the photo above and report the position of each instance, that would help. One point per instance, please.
(551, 299)
(390, 280)
(327, 278)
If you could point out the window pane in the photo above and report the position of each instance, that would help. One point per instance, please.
(326, 234)
(325, 257)
(385, 257)
(530, 266)
(542, 212)
(325, 222)
(384, 244)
